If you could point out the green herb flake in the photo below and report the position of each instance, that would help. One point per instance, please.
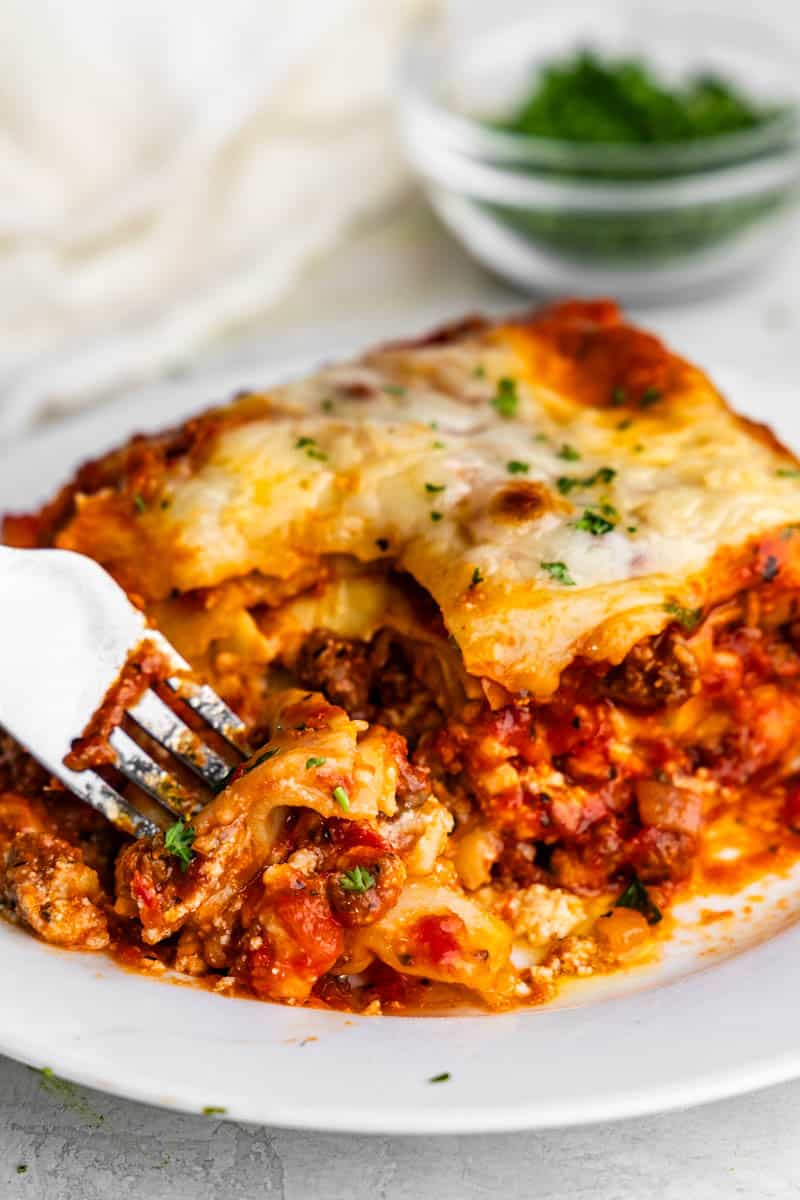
(315, 762)
(625, 423)
(788, 472)
(515, 467)
(438, 446)
(22, 1168)
(636, 896)
(479, 372)
(357, 880)
(506, 400)
(394, 389)
(443, 1078)
(687, 618)
(213, 1110)
(139, 502)
(433, 489)
(565, 483)
(178, 841)
(476, 579)
(342, 799)
(262, 758)
(436, 516)
(568, 453)
(594, 523)
(559, 572)
(618, 397)
(327, 405)
(311, 448)
(650, 396)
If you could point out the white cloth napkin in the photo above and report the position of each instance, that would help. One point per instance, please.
(166, 169)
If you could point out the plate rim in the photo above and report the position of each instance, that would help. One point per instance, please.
(101, 427)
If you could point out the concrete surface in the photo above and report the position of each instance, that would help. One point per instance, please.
(83, 1145)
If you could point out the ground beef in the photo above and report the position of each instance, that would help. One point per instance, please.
(657, 672)
(341, 668)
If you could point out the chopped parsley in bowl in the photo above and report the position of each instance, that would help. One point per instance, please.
(567, 159)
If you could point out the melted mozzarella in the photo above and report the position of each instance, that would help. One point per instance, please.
(404, 456)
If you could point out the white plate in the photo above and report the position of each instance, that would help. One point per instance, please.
(716, 1016)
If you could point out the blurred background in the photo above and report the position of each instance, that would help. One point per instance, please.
(188, 185)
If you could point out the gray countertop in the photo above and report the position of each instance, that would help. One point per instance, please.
(83, 1145)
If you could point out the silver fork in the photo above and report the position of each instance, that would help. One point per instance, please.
(66, 631)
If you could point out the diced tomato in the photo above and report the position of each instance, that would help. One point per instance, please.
(310, 923)
(347, 835)
(438, 938)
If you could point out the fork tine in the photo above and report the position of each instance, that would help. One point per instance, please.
(157, 718)
(201, 698)
(214, 711)
(102, 797)
(137, 765)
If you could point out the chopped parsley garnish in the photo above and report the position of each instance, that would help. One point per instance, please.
(650, 396)
(505, 400)
(687, 618)
(618, 397)
(436, 516)
(178, 841)
(558, 571)
(568, 453)
(315, 762)
(394, 389)
(515, 467)
(594, 523)
(212, 1110)
(357, 880)
(262, 758)
(588, 96)
(437, 446)
(327, 405)
(479, 372)
(342, 799)
(476, 578)
(788, 472)
(311, 448)
(443, 1078)
(22, 1168)
(565, 483)
(433, 489)
(625, 423)
(636, 896)
(139, 502)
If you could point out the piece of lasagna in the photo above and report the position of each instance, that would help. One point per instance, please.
(512, 616)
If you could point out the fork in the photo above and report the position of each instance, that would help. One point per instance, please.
(66, 631)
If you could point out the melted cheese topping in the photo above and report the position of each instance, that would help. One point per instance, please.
(471, 463)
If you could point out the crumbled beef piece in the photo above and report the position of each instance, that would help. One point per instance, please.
(657, 672)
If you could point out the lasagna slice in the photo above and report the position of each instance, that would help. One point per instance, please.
(513, 615)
